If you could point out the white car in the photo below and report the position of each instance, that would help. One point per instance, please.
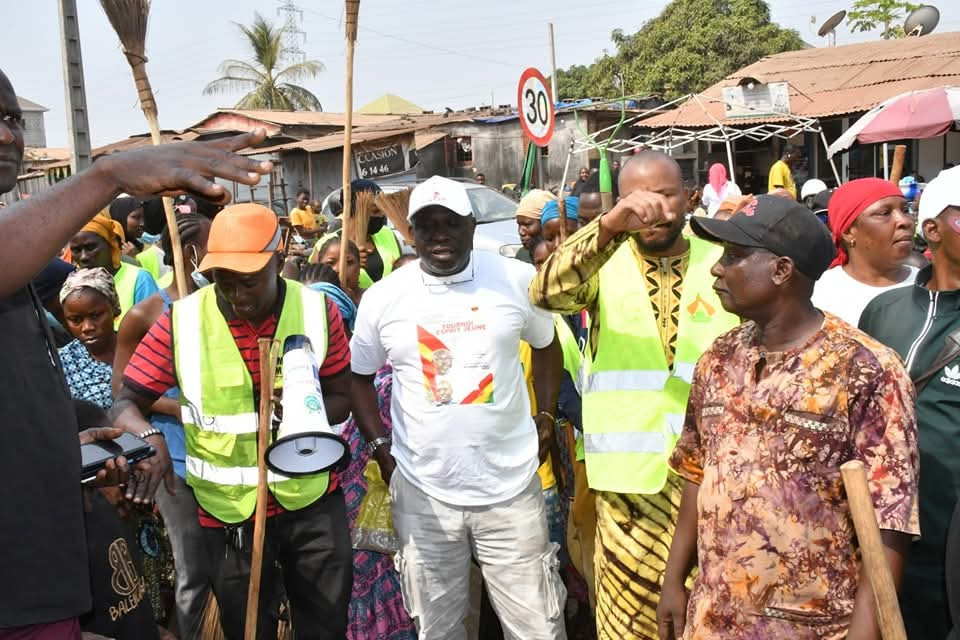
(495, 213)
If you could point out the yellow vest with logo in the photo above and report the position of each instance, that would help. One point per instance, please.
(219, 406)
(633, 403)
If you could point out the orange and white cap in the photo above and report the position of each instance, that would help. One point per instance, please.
(243, 238)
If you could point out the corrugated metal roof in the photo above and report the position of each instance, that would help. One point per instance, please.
(832, 81)
(301, 118)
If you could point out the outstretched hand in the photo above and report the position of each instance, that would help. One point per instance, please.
(187, 167)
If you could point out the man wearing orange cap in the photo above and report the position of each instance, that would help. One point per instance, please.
(206, 345)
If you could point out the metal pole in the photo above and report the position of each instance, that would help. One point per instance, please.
(833, 165)
(78, 129)
(886, 165)
(553, 64)
(733, 172)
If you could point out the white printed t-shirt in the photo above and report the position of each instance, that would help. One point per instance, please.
(839, 293)
(462, 430)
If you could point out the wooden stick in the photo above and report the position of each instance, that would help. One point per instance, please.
(872, 551)
(179, 271)
(562, 208)
(352, 13)
(899, 156)
(268, 367)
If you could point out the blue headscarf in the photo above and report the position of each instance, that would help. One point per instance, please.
(551, 210)
(348, 310)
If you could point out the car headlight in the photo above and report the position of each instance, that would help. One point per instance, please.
(510, 250)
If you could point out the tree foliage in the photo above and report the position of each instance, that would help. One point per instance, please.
(266, 86)
(691, 45)
(887, 15)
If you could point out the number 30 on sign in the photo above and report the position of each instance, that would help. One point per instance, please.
(536, 107)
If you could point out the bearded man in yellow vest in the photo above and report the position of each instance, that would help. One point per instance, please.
(206, 345)
(648, 290)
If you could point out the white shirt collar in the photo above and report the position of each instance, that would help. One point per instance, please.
(466, 275)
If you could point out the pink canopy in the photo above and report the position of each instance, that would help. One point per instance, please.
(915, 114)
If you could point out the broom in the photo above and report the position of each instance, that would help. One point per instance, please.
(395, 206)
(363, 206)
(353, 16)
(129, 19)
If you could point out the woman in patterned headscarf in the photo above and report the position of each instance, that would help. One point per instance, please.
(90, 304)
(99, 244)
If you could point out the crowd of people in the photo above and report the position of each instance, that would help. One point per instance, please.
(635, 431)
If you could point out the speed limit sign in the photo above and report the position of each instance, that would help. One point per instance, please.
(536, 107)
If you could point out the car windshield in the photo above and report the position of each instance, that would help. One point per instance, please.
(491, 206)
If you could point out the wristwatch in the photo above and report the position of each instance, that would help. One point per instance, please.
(376, 444)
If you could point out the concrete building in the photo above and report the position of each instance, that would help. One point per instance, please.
(34, 133)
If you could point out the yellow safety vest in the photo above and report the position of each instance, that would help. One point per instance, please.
(633, 403)
(386, 245)
(125, 280)
(218, 405)
(149, 260)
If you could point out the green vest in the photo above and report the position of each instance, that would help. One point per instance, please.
(219, 408)
(386, 245)
(633, 403)
(571, 350)
(389, 250)
(125, 280)
(149, 259)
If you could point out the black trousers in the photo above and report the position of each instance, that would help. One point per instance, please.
(307, 555)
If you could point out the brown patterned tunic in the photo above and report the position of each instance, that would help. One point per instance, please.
(765, 435)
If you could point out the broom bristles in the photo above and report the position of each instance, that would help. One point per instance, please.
(211, 620)
(395, 206)
(363, 205)
(129, 19)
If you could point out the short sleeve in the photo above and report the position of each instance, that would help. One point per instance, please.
(687, 457)
(367, 353)
(538, 329)
(144, 287)
(886, 442)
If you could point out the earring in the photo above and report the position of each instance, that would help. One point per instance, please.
(853, 243)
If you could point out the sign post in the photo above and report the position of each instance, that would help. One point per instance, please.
(536, 107)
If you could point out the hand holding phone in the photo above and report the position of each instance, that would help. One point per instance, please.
(107, 454)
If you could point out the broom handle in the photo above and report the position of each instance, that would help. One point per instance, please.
(268, 365)
(872, 551)
(180, 274)
(353, 9)
(899, 156)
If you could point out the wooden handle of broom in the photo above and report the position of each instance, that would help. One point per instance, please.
(353, 16)
(562, 208)
(872, 551)
(180, 274)
(899, 156)
(268, 367)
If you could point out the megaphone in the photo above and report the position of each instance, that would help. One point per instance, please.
(305, 442)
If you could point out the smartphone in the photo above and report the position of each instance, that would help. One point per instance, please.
(95, 454)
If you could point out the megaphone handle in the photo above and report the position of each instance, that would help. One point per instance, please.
(268, 368)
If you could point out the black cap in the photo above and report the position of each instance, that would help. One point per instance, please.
(822, 199)
(780, 226)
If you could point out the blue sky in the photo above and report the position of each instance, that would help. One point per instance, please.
(436, 53)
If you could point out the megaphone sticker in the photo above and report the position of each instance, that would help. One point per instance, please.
(313, 404)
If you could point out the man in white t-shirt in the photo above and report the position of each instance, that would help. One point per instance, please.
(465, 448)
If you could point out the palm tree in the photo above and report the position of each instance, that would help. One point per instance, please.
(267, 87)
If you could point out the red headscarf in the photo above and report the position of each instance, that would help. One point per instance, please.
(848, 202)
(717, 177)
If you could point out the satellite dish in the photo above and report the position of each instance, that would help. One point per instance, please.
(831, 23)
(922, 21)
(829, 27)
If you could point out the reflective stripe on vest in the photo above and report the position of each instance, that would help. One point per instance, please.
(125, 280)
(218, 403)
(633, 403)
